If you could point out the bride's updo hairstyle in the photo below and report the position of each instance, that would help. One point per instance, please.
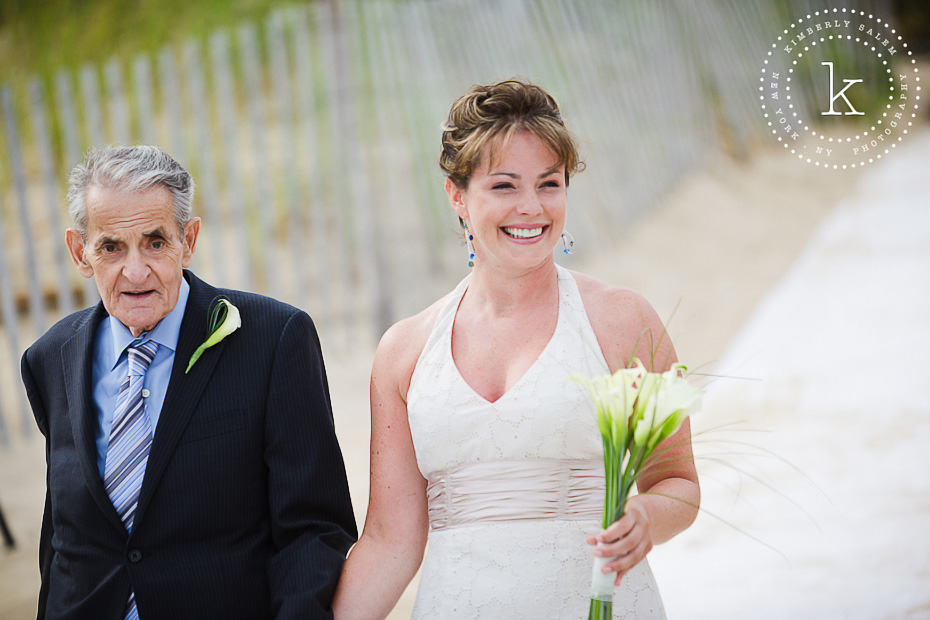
(490, 115)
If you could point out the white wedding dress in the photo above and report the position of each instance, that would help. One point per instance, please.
(515, 485)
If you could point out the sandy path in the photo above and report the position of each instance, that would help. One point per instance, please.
(841, 345)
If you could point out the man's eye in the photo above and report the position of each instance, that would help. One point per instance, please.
(109, 248)
(157, 245)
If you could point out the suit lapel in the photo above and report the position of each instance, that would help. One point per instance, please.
(76, 360)
(184, 390)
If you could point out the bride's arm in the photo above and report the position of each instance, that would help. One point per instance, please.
(669, 494)
(390, 549)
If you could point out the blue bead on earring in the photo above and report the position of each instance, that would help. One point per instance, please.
(469, 245)
(568, 242)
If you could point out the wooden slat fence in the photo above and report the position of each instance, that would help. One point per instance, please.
(313, 138)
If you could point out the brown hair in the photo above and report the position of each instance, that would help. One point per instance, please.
(491, 115)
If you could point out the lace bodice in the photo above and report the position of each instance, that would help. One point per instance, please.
(542, 416)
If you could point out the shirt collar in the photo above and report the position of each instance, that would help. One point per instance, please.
(165, 333)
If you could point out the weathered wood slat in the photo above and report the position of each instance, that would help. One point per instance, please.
(233, 191)
(17, 167)
(53, 196)
(315, 251)
(208, 192)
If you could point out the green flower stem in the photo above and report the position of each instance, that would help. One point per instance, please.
(600, 610)
(619, 498)
(608, 472)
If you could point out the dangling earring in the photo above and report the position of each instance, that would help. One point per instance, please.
(469, 246)
(568, 242)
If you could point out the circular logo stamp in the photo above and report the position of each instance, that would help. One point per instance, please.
(839, 88)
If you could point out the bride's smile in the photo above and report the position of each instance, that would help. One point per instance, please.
(524, 233)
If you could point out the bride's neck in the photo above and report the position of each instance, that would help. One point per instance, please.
(504, 294)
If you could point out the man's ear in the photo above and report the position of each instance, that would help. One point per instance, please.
(456, 198)
(75, 243)
(191, 230)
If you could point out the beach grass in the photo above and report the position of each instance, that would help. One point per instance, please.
(42, 37)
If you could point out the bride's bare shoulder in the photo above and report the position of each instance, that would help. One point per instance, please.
(606, 301)
(413, 331)
(624, 322)
(402, 343)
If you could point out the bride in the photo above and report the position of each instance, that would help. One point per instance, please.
(480, 445)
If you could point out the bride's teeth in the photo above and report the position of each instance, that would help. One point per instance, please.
(523, 233)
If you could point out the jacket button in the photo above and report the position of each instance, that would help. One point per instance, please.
(135, 556)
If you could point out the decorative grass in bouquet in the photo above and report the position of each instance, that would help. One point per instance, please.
(636, 410)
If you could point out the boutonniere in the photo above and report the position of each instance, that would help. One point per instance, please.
(224, 320)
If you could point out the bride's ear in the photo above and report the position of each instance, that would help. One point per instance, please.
(456, 198)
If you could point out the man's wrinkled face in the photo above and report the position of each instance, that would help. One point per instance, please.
(135, 253)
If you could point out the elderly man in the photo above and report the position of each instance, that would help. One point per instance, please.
(175, 490)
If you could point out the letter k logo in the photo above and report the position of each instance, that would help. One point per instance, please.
(842, 93)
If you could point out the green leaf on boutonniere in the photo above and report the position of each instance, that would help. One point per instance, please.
(224, 320)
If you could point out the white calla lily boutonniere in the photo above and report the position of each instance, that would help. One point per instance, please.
(224, 320)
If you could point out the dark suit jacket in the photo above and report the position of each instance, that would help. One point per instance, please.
(244, 510)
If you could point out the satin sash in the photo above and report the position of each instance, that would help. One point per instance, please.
(567, 489)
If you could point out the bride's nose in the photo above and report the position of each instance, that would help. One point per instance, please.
(530, 204)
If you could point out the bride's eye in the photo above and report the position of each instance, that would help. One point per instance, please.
(502, 186)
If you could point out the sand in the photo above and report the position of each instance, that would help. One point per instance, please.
(840, 347)
(805, 279)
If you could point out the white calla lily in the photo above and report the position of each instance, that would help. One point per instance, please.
(231, 321)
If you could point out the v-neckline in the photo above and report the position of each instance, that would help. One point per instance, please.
(491, 403)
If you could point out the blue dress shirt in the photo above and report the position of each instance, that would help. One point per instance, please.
(111, 365)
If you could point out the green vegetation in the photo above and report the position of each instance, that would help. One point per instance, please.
(41, 36)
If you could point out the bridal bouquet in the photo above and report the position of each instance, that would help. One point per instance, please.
(636, 410)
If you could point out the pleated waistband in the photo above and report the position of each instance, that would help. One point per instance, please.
(567, 489)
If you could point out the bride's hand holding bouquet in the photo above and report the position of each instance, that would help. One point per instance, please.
(636, 411)
(623, 545)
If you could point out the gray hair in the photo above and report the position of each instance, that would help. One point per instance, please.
(129, 168)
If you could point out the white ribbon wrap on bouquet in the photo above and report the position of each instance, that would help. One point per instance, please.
(602, 584)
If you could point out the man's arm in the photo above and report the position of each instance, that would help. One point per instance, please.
(45, 537)
(308, 494)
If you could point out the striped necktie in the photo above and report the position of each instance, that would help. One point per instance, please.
(130, 441)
